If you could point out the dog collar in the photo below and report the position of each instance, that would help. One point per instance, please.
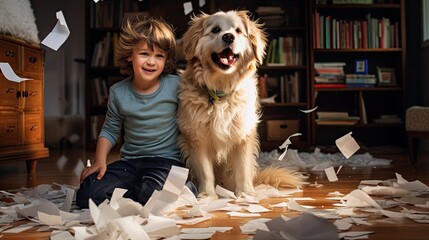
(215, 95)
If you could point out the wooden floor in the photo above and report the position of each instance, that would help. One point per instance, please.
(13, 176)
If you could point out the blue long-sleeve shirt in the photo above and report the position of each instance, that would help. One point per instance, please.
(148, 120)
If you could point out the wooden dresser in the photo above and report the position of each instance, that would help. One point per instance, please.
(21, 104)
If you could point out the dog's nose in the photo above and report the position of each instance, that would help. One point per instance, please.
(228, 38)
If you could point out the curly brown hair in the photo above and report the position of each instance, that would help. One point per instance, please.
(155, 31)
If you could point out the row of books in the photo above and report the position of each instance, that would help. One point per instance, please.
(285, 51)
(337, 118)
(284, 89)
(329, 72)
(333, 33)
(271, 16)
(104, 51)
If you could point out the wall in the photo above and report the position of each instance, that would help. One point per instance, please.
(64, 86)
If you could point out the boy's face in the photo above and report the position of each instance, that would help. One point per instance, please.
(148, 64)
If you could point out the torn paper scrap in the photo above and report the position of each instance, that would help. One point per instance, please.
(9, 74)
(222, 192)
(187, 7)
(286, 144)
(330, 174)
(358, 198)
(306, 226)
(308, 110)
(201, 3)
(171, 190)
(59, 34)
(347, 145)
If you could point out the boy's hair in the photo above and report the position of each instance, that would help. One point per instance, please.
(156, 32)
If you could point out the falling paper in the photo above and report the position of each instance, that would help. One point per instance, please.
(201, 3)
(187, 7)
(309, 110)
(9, 74)
(347, 145)
(58, 35)
(330, 173)
(286, 144)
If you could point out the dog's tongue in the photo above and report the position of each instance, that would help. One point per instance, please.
(227, 57)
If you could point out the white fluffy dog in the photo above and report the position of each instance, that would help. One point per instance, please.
(219, 107)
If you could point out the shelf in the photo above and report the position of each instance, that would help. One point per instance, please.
(298, 104)
(355, 50)
(357, 6)
(370, 125)
(294, 67)
(356, 89)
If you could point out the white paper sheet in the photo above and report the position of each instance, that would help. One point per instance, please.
(187, 7)
(59, 34)
(331, 175)
(9, 74)
(308, 110)
(347, 145)
(286, 144)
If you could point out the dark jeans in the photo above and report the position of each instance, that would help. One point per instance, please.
(139, 176)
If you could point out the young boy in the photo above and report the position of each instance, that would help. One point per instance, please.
(144, 105)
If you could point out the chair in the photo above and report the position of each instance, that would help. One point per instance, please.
(417, 126)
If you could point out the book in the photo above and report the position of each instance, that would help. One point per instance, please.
(330, 85)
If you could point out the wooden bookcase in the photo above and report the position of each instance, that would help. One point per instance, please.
(380, 46)
(282, 117)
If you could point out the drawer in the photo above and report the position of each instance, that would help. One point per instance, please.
(32, 94)
(9, 128)
(32, 128)
(32, 63)
(10, 93)
(9, 52)
(280, 130)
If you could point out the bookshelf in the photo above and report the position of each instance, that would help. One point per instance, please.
(284, 74)
(367, 36)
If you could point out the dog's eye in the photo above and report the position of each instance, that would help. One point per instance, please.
(238, 30)
(215, 30)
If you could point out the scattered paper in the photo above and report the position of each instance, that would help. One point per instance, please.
(223, 192)
(286, 144)
(187, 7)
(59, 34)
(347, 145)
(201, 3)
(330, 173)
(306, 226)
(309, 110)
(9, 74)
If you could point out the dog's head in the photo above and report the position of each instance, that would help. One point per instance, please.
(224, 41)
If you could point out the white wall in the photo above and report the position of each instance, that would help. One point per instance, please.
(64, 77)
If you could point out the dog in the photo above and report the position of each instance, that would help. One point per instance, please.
(219, 109)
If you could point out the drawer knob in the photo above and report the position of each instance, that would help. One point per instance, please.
(34, 127)
(11, 128)
(32, 59)
(10, 53)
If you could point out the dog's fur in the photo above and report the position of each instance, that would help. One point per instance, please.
(218, 137)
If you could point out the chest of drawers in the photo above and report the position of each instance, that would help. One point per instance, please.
(21, 104)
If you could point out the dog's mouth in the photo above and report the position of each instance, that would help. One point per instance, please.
(225, 59)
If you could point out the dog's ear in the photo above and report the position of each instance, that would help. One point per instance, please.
(256, 35)
(192, 35)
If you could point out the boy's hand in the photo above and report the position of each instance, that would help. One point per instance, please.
(96, 167)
